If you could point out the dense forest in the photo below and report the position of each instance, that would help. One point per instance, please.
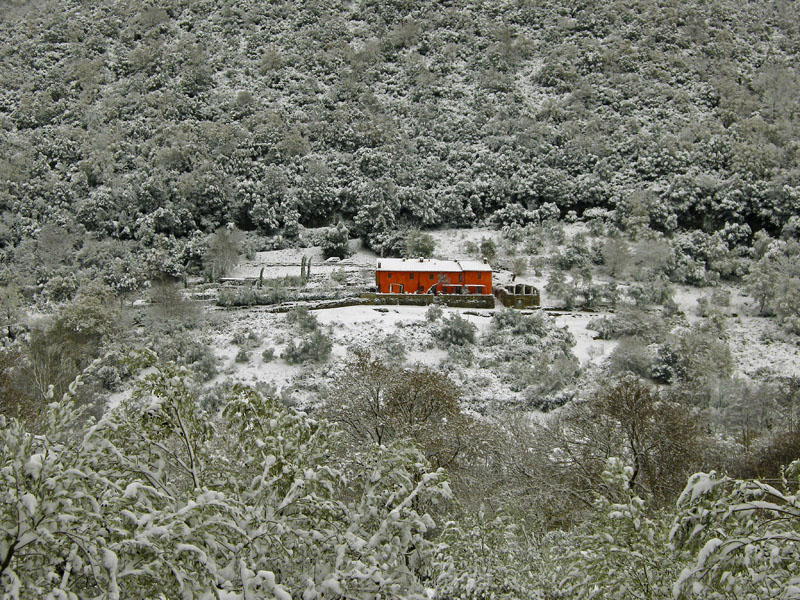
(141, 122)
(148, 147)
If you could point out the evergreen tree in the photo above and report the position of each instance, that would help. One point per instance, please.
(336, 241)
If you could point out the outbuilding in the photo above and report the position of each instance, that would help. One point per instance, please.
(432, 276)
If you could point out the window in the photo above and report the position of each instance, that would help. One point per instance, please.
(389, 276)
(460, 277)
(479, 274)
(430, 276)
(411, 276)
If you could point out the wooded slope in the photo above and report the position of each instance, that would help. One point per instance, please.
(136, 120)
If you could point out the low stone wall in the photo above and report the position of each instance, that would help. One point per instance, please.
(454, 300)
(319, 305)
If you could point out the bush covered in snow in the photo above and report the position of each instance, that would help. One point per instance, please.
(456, 331)
(314, 347)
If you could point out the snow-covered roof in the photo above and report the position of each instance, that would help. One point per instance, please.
(422, 265)
(433, 265)
(474, 265)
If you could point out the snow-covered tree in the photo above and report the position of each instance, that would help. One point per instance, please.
(160, 499)
(336, 241)
(483, 556)
(744, 536)
(623, 553)
(222, 252)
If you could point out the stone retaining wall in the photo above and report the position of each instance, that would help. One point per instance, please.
(454, 300)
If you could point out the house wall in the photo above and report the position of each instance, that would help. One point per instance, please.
(483, 278)
(390, 281)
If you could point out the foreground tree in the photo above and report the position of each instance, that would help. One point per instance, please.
(58, 348)
(745, 536)
(621, 553)
(158, 499)
(660, 439)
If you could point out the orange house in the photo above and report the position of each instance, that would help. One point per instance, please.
(430, 276)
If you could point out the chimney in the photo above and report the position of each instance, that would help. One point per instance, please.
(421, 259)
(484, 260)
(379, 264)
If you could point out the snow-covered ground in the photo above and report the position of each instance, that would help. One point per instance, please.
(755, 342)
(588, 350)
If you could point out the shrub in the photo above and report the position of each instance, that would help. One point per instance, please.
(268, 355)
(597, 219)
(222, 252)
(460, 355)
(631, 321)
(575, 256)
(704, 308)
(393, 347)
(704, 352)
(487, 248)
(549, 212)
(213, 398)
(656, 292)
(339, 276)
(250, 296)
(313, 348)
(60, 289)
(434, 313)
(108, 377)
(512, 214)
(616, 256)
(303, 318)
(242, 356)
(519, 266)
(721, 297)
(512, 234)
(791, 230)
(519, 323)
(552, 377)
(457, 331)
(631, 356)
(201, 361)
(558, 287)
(667, 366)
